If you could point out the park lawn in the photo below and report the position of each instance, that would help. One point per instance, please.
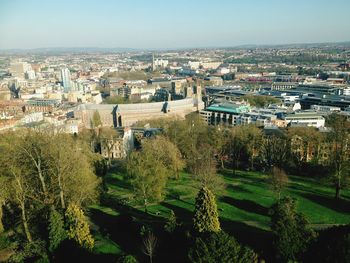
(104, 245)
(246, 199)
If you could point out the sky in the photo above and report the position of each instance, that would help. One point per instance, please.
(166, 24)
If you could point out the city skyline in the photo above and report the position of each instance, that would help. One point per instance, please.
(159, 25)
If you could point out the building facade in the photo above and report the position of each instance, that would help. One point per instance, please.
(122, 115)
(66, 79)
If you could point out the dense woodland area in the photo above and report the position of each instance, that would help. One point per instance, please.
(51, 181)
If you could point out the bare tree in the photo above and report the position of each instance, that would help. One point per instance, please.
(204, 170)
(149, 246)
(339, 138)
(278, 180)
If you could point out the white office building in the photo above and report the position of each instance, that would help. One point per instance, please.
(66, 80)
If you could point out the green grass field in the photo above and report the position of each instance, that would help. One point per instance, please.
(244, 204)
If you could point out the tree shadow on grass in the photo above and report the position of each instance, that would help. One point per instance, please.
(258, 239)
(118, 182)
(69, 251)
(306, 189)
(237, 188)
(341, 205)
(181, 213)
(124, 229)
(246, 205)
(121, 229)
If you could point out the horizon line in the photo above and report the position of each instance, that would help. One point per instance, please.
(174, 48)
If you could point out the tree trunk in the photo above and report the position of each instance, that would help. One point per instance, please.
(63, 205)
(337, 190)
(252, 163)
(145, 205)
(1, 225)
(42, 180)
(25, 223)
(37, 163)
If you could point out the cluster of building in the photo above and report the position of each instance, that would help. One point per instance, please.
(300, 105)
(64, 91)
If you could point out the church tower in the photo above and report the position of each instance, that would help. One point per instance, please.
(197, 98)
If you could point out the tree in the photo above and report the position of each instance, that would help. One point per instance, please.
(188, 134)
(1, 214)
(35, 251)
(261, 101)
(127, 259)
(218, 139)
(147, 176)
(340, 150)
(166, 152)
(20, 192)
(253, 143)
(67, 169)
(220, 248)
(3, 197)
(275, 150)
(171, 223)
(306, 145)
(278, 180)
(52, 173)
(149, 246)
(78, 227)
(332, 246)
(236, 146)
(203, 167)
(206, 217)
(41, 171)
(57, 233)
(14, 190)
(291, 231)
(108, 139)
(244, 145)
(96, 120)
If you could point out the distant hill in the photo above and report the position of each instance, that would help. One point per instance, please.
(293, 45)
(60, 50)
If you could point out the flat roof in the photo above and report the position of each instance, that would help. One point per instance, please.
(228, 107)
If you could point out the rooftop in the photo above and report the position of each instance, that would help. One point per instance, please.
(229, 108)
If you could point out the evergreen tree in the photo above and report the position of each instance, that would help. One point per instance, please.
(332, 246)
(220, 248)
(128, 259)
(57, 232)
(290, 229)
(78, 227)
(206, 217)
(171, 224)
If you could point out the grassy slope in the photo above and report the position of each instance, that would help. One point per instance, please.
(248, 197)
(245, 202)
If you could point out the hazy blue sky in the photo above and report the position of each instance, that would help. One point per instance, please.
(170, 24)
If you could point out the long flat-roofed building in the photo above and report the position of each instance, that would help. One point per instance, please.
(305, 119)
(226, 113)
(122, 115)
